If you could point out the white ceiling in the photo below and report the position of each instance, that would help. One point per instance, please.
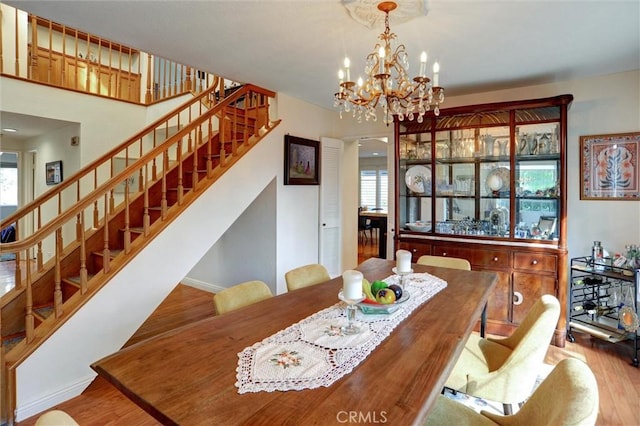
(296, 47)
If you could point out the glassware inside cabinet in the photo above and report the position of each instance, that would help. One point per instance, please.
(493, 142)
(537, 140)
(416, 147)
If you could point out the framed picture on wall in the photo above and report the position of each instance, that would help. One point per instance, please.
(301, 161)
(53, 172)
(609, 167)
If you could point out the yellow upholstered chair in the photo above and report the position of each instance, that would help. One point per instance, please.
(568, 396)
(505, 369)
(240, 295)
(56, 418)
(305, 276)
(445, 262)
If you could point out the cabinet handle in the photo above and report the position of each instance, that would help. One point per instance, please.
(444, 254)
(534, 262)
(517, 298)
(414, 250)
(495, 259)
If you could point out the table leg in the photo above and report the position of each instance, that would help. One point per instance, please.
(483, 320)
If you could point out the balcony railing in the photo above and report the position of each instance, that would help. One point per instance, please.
(40, 50)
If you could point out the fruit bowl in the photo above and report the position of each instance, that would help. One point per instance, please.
(368, 307)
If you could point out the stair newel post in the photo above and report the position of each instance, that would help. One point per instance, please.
(29, 320)
(148, 98)
(210, 147)
(245, 122)
(142, 176)
(163, 201)
(18, 271)
(196, 151)
(78, 221)
(106, 254)
(180, 170)
(57, 292)
(112, 200)
(83, 256)
(96, 213)
(127, 229)
(146, 219)
(234, 134)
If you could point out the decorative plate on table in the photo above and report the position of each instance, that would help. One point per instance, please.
(377, 308)
(418, 179)
(497, 180)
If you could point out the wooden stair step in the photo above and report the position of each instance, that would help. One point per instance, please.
(112, 253)
(42, 312)
(8, 342)
(75, 280)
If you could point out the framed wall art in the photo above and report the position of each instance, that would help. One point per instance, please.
(53, 172)
(301, 161)
(609, 167)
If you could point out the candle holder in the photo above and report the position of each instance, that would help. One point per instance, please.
(401, 274)
(351, 310)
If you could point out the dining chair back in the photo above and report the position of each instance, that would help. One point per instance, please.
(56, 418)
(568, 396)
(306, 275)
(505, 369)
(240, 295)
(445, 262)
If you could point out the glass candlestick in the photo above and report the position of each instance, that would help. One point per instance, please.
(351, 310)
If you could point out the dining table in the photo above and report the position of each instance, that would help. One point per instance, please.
(378, 219)
(188, 376)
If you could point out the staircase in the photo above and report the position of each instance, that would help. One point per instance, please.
(103, 223)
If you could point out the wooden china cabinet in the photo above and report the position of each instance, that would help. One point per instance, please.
(488, 183)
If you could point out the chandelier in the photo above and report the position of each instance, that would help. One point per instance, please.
(387, 83)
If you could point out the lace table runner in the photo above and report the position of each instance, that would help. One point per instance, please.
(314, 352)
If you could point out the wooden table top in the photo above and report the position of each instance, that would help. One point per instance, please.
(373, 213)
(187, 376)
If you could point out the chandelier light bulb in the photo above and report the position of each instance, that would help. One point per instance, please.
(341, 76)
(347, 63)
(436, 71)
(360, 82)
(423, 64)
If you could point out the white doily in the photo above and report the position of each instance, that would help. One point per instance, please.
(315, 352)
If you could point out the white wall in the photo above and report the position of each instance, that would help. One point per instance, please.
(103, 125)
(246, 251)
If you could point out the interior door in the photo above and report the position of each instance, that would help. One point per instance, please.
(330, 239)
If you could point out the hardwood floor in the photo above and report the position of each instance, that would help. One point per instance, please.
(102, 404)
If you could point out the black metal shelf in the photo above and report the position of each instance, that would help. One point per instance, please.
(591, 309)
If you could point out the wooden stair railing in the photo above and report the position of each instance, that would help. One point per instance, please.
(119, 217)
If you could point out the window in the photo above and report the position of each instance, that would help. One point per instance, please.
(374, 184)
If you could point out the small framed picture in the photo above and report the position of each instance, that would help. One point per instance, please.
(53, 172)
(301, 161)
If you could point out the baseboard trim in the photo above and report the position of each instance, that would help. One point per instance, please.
(201, 285)
(45, 402)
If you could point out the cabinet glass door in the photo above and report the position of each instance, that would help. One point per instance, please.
(414, 182)
(537, 181)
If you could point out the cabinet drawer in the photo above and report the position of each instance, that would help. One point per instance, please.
(535, 262)
(479, 257)
(416, 249)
